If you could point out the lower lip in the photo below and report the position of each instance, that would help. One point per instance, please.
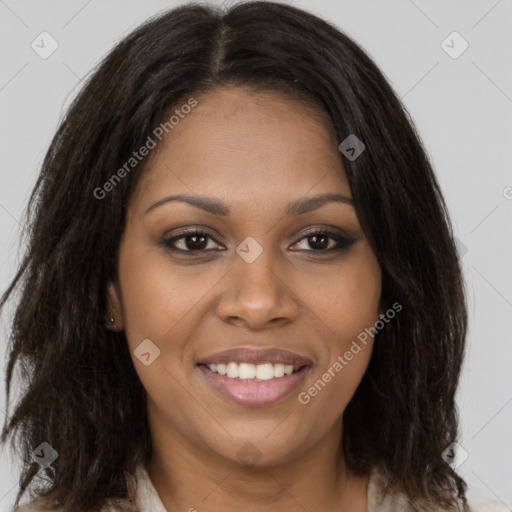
(254, 393)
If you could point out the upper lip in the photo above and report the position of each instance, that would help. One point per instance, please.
(256, 356)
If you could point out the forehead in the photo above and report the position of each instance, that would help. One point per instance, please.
(238, 144)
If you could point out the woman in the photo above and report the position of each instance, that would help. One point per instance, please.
(241, 288)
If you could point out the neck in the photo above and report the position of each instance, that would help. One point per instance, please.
(189, 478)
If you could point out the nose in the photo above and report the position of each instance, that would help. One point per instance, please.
(256, 295)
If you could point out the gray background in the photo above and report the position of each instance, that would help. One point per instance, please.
(461, 106)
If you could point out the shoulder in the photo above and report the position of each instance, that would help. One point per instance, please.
(41, 504)
(491, 506)
(480, 501)
(378, 501)
(129, 504)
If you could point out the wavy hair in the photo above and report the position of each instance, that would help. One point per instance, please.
(80, 391)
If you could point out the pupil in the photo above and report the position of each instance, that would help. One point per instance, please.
(195, 238)
(316, 238)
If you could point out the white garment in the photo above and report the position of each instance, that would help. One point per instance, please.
(147, 498)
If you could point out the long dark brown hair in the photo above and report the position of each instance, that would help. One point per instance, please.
(80, 391)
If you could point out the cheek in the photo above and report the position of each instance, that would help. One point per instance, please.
(158, 297)
(345, 304)
(334, 385)
(345, 300)
(158, 305)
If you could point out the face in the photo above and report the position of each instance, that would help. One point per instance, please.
(251, 273)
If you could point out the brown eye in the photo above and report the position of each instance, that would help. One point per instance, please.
(191, 241)
(319, 241)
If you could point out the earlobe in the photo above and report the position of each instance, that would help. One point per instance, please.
(115, 319)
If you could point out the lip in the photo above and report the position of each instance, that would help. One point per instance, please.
(256, 356)
(246, 393)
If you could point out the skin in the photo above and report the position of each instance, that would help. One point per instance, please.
(256, 152)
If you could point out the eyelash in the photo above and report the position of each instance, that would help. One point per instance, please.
(343, 242)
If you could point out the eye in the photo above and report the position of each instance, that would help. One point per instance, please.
(196, 241)
(193, 240)
(319, 240)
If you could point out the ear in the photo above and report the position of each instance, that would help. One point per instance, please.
(114, 309)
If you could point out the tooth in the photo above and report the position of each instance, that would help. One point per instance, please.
(249, 371)
(288, 369)
(278, 370)
(264, 371)
(246, 371)
(232, 370)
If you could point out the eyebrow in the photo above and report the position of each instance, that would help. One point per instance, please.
(217, 207)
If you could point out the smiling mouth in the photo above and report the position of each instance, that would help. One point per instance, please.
(249, 372)
(278, 381)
